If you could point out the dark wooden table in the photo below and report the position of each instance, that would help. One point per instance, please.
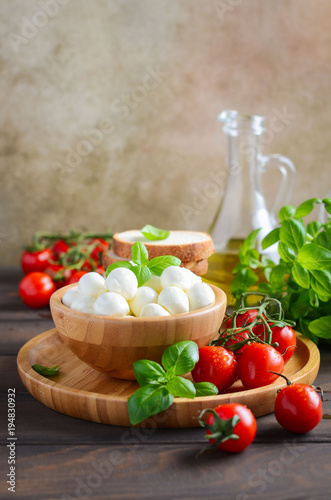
(60, 457)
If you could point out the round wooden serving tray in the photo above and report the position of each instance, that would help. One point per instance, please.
(80, 391)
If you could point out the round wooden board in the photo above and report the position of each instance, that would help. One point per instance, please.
(80, 391)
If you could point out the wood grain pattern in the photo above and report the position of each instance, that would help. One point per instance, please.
(112, 345)
(82, 392)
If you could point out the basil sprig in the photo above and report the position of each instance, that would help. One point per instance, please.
(142, 267)
(153, 233)
(161, 384)
(45, 371)
(302, 278)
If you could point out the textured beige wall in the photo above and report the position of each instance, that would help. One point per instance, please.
(90, 65)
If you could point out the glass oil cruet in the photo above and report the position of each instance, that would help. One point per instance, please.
(243, 206)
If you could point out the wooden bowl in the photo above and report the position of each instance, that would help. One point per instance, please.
(111, 345)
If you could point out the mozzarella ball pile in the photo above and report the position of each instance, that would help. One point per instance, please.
(176, 291)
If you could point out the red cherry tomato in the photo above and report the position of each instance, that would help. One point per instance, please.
(35, 261)
(52, 270)
(76, 277)
(242, 319)
(254, 365)
(58, 248)
(245, 429)
(100, 270)
(285, 337)
(102, 246)
(238, 337)
(35, 289)
(217, 365)
(298, 408)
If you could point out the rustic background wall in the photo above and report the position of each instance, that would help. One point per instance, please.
(108, 107)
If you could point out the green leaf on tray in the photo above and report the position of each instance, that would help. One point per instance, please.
(45, 371)
(182, 356)
(181, 388)
(147, 372)
(205, 389)
(147, 401)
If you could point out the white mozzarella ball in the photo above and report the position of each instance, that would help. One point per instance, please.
(70, 296)
(123, 281)
(174, 300)
(153, 310)
(155, 283)
(192, 277)
(200, 295)
(178, 276)
(92, 284)
(111, 304)
(145, 295)
(84, 304)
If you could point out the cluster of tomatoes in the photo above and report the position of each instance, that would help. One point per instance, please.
(54, 261)
(249, 356)
(241, 357)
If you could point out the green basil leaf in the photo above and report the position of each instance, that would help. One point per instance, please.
(238, 267)
(148, 401)
(321, 327)
(121, 263)
(271, 238)
(306, 207)
(267, 273)
(286, 212)
(139, 254)
(265, 287)
(266, 261)
(45, 371)
(293, 233)
(205, 389)
(252, 258)
(183, 356)
(277, 276)
(300, 307)
(243, 280)
(321, 283)
(323, 239)
(147, 372)
(300, 275)
(249, 242)
(159, 264)
(313, 298)
(327, 204)
(314, 227)
(312, 256)
(142, 273)
(154, 233)
(303, 327)
(181, 388)
(286, 253)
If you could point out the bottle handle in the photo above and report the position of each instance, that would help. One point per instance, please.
(287, 169)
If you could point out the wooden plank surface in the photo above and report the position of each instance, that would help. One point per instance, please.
(57, 454)
(170, 471)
